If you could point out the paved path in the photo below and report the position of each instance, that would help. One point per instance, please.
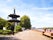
(31, 35)
(8, 38)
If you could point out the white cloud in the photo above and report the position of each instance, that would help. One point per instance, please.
(8, 0)
(49, 8)
(43, 21)
(40, 17)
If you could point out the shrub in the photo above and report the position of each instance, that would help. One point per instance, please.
(18, 28)
(7, 31)
(4, 32)
(1, 31)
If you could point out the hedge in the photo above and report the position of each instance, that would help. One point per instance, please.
(4, 32)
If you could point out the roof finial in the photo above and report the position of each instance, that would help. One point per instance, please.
(14, 10)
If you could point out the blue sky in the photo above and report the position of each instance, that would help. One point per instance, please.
(39, 11)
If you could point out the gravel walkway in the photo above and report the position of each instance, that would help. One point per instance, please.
(31, 35)
(27, 35)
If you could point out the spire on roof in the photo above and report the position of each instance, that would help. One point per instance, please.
(14, 10)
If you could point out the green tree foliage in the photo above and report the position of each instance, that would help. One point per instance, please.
(2, 23)
(5, 23)
(18, 28)
(9, 25)
(25, 22)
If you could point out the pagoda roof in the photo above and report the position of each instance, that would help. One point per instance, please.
(13, 21)
(13, 15)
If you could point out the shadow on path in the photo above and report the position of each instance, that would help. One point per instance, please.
(8, 38)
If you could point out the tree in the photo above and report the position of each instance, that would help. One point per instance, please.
(9, 25)
(25, 22)
(3, 22)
